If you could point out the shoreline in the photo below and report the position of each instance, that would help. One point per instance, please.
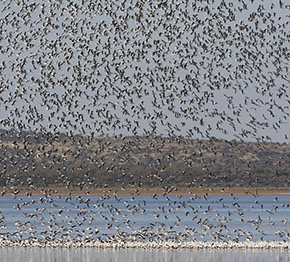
(217, 191)
(131, 244)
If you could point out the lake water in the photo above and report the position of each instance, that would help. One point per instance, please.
(85, 254)
(146, 219)
(187, 217)
(143, 219)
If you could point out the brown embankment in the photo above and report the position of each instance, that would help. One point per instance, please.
(147, 191)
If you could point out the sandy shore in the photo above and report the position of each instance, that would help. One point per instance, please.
(146, 191)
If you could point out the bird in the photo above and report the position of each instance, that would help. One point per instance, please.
(141, 95)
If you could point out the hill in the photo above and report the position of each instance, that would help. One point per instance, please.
(44, 159)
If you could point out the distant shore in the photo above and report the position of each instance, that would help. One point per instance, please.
(146, 191)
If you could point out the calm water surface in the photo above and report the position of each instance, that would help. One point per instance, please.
(227, 218)
(188, 217)
(83, 254)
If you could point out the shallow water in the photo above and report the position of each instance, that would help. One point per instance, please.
(139, 255)
(247, 218)
(216, 218)
(19, 218)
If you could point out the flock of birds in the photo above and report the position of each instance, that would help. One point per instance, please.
(190, 69)
(147, 221)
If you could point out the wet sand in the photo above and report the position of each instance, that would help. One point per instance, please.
(146, 191)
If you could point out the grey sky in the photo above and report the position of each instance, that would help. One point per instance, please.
(190, 68)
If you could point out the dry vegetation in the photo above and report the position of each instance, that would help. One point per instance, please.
(46, 160)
